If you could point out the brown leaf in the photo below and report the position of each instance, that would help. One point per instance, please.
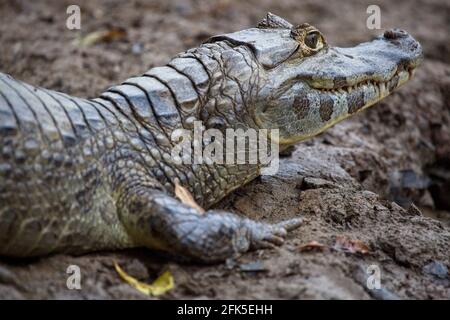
(186, 197)
(160, 286)
(312, 245)
(344, 244)
(100, 36)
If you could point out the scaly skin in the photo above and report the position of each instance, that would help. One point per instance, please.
(79, 175)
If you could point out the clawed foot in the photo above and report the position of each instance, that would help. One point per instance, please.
(270, 235)
(216, 236)
(183, 229)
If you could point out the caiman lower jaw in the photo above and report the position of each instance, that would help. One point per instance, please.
(373, 92)
(382, 88)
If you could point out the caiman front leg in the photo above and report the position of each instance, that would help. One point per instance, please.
(157, 220)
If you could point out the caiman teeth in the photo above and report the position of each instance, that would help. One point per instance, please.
(383, 88)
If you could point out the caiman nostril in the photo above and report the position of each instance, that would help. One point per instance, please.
(395, 34)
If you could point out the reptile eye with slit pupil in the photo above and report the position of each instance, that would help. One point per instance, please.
(312, 39)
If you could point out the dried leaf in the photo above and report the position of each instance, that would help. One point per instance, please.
(352, 246)
(160, 286)
(186, 197)
(100, 36)
(312, 245)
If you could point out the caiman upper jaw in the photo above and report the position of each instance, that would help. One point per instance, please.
(393, 55)
(378, 67)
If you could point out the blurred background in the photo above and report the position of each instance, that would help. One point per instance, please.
(37, 44)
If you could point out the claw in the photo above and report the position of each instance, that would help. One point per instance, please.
(265, 245)
(278, 241)
(290, 224)
(271, 236)
(279, 231)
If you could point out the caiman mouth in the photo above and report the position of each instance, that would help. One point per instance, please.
(382, 87)
(364, 93)
(365, 73)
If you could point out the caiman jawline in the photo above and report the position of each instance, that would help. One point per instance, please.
(384, 87)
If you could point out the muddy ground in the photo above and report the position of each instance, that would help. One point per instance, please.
(382, 177)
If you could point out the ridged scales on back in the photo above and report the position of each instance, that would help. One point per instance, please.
(63, 158)
(78, 175)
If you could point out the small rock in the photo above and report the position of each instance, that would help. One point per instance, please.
(287, 152)
(383, 294)
(136, 48)
(413, 210)
(412, 180)
(315, 183)
(437, 269)
(255, 266)
(230, 263)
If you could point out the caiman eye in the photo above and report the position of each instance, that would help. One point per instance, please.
(312, 40)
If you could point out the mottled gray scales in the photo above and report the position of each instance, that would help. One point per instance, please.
(9, 125)
(28, 117)
(326, 107)
(180, 86)
(194, 71)
(161, 101)
(301, 106)
(355, 101)
(138, 103)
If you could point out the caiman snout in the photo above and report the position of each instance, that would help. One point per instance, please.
(395, 34)
(408, 45)
(393, 53)
(324, 88)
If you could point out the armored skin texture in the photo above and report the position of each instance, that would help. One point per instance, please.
(78, 175)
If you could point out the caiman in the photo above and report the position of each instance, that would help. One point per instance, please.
(79, 175)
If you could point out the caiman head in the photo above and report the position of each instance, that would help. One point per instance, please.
(306, 86)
